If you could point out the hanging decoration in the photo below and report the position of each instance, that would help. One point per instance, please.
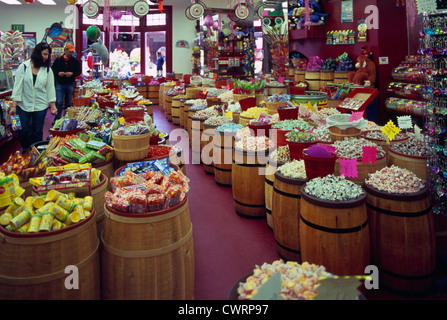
(93, 33)
(208, 21)
(160, 5)
(106, 15)
(72, 2)
(307, 14)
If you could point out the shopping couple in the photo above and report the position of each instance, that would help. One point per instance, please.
(39, 85)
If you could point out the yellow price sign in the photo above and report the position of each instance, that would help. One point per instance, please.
(390, 130)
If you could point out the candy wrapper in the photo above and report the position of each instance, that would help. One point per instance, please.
(155, 202)
(173, 194)
(137, 202)
(15, 123)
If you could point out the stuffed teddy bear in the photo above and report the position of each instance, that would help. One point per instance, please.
(365, 75)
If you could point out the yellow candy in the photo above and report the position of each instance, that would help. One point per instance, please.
(5, 218)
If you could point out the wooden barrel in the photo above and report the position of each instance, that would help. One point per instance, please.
(182, 113)
(177, 157)
(338, 134)
(244, 120)
(34, 265)
(223, 157)
(131, 148)
(185, 114)
(214, 101)
(106, 168)
(270, 169)
(341, 76)
(175, 109)
(98, 193)
(416, 164)
(260, 97)
(237, 97)
(206, 148)
(286, 215)
(142, 90)
(313, 80)
(149, 110)
(291, 73)
(192, 92)
(271, 91)
(363, 169)
(153, 93)
(402, 239)
(236, 117)
(247, 181)
(168, 107)
(272, 107)
(161, 96)
(148, 256)
(300, 75)
(335, 234)
(384, 143)
(326, 76)
(189, 124)
(195, 138)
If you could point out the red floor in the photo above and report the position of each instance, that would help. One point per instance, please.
(226, 246)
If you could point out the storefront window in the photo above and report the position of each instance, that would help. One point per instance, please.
(155, 41)
(125, 39)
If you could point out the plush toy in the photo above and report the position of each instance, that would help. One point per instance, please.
(99, 49)
(317, 17)
(58, 34)
(365, 75)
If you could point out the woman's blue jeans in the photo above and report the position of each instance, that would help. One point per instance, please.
(32, 126)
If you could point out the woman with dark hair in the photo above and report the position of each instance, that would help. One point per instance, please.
(33, 92)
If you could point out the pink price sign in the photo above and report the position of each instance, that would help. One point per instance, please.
(355, 116)
(349, 168)
(369, 154)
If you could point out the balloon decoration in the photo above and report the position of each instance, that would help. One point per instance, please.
(117, 14)
(215, 26)
(72, 1)
(208, 21)
(93, 33)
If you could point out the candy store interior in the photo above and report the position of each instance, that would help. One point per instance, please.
(281, 150)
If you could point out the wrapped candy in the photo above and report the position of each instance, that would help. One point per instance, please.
(155, 202)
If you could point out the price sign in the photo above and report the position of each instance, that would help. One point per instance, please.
(349, 168)
(355, 116)
(404, 122)
(390, 130)
(369, 154)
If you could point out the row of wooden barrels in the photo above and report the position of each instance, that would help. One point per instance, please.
(110, 255)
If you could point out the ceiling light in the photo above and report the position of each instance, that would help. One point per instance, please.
(47, 2)
(13, 2)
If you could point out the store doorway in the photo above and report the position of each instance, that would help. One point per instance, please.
(125, 52)
(155, 41)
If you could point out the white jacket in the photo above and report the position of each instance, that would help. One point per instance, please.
(32, 97)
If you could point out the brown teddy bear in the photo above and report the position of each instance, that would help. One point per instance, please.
(365, 75)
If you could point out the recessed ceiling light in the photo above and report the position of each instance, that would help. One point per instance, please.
(47, 2)
(13, 2)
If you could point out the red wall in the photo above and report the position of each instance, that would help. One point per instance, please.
(390, 40)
